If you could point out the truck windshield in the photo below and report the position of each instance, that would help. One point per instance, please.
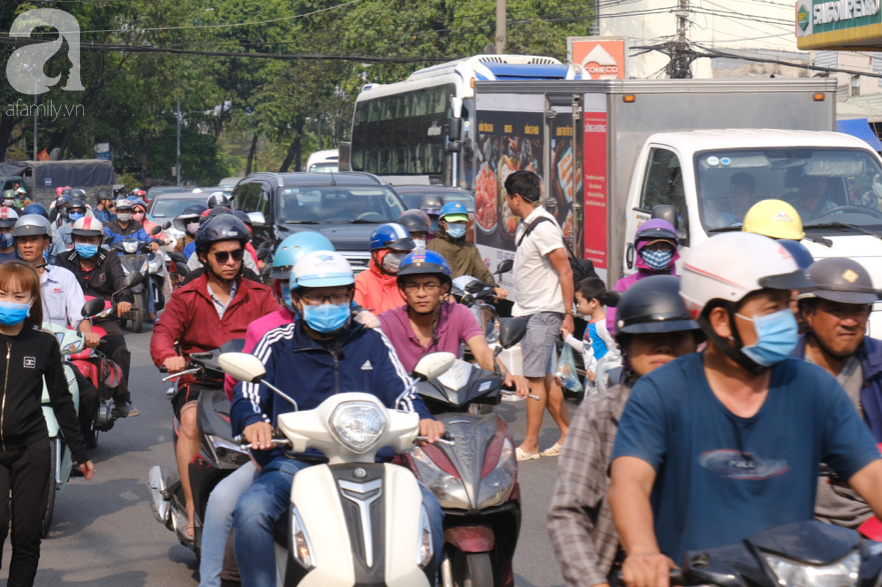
(374, 205)
(827, 187)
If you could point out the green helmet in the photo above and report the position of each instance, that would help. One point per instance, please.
(9, 195)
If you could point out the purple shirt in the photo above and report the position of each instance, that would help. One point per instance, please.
(455, 324)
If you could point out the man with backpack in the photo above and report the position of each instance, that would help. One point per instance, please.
(543, 293)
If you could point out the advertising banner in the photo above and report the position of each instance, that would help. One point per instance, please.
(596, 195)
(600, 57)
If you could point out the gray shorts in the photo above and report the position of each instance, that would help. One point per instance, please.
(538, 344)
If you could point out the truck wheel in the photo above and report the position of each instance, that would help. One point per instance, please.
(472, 569)
(50, 503)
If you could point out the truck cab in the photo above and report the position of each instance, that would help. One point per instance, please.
(712, 177)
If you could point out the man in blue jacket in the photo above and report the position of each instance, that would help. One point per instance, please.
(836, 313)
(322, 353)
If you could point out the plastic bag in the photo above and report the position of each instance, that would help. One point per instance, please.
(565, 373)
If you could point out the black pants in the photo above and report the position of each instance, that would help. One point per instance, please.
(89, 402)
(114, 346)
(26, 472)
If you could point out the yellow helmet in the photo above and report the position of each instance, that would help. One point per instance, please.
(774, 219)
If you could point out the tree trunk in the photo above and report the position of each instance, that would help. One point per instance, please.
(298, 129)
(251, 152)
(145, 144)
(289, 157)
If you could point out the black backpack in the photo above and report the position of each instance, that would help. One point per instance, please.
(582, 268)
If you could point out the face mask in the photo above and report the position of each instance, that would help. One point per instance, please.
(392, 261)
(657, 260)
(11, 313)
(420, 243)
(74, 216)
(6, 240)
(433, 227)
(139, 217)
(286, 296)
(326, 318)
(124, 216)
(456, 230)
(85, 250)
(776, 337)
(192, 227)
(9, 203)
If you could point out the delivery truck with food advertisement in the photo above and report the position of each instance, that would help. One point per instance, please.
(611, 152)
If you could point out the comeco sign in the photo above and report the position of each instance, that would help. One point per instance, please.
(600, 58)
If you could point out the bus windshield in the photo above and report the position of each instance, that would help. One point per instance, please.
(825, 186)
(375, 205)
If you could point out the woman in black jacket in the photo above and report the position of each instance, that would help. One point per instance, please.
(31, 354)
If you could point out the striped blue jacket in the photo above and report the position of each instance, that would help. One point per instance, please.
(360, 359)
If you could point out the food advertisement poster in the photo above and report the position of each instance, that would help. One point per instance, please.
(565, 177)
(595, 237)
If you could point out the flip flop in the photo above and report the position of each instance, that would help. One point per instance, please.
(191, 533)
(554, 451)
(523, 455)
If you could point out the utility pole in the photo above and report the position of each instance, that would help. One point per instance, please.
(500, 26)
(680, 65)
(179, 144)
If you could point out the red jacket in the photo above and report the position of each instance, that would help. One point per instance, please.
(377, 292)
(191, 320)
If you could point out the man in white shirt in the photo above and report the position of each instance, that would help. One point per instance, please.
(543, 293)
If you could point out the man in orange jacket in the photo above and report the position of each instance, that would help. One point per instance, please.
(377, 288)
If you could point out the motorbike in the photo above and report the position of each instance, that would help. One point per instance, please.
(352, 521)
(218, 457)
(809, 554)
(476, 479)
(71, 341)
(135, 257)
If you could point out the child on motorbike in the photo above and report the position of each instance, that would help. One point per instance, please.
(31, 355)
(654, 329)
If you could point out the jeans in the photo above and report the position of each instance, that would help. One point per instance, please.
(267, 500)
(218, 522)
(150, 302)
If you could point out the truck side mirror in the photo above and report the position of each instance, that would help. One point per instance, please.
(455, 131)
(669, 213)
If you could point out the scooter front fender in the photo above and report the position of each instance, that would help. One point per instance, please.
(471, 538)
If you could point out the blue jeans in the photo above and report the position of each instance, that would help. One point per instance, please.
(150, 302)
(219, 521)
(267, 500)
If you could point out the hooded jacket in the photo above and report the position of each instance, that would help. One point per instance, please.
(463, 258)
(376, 291)
(870, 355)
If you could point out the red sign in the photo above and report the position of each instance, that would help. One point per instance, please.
(595, 189)
(601, 59)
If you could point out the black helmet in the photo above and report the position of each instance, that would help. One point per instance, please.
(35, 208)
(243, 217)
(843, 280)
(225, 227)
(76, 203)
(104, 195)
(64, 200)
(414, 221)
(653, 305)
(67, 192)
(219, 211)
(431, 204)
(218, 199)
(191, 213)
(78, 193)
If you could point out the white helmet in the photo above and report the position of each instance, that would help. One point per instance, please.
(321, 269)
(87, 226)
(197, 191)
(729, 266)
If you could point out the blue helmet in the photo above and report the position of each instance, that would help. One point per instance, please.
(35, 208)
(800, 254)
(293, 248)
(454, 208)
(392, 236)
(424, 262)
(321, 269)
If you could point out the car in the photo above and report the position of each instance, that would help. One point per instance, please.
(323, 161)
(412, 194)
(165, 189)
(167, 206)
(345, 207)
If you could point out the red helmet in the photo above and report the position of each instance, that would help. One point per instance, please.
(58, 190)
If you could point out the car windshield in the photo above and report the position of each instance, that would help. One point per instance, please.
(324, 168)
(169, 207)
(465, 198)
(827, 187)
(339, 204)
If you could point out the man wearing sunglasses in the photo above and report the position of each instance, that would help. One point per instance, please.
(216, 307)
(428, 324)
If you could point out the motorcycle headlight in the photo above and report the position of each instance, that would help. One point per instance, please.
(227, 452)
(358, 425)
(130, 247)
(496, 486)
(155, 266)
(447, 489)
(425, 550)
(300, 539)
(842, 573)
(457, 376)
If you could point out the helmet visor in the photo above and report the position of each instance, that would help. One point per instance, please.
(795, 280)
(656, 324)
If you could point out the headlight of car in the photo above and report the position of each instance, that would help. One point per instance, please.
(448, 489)
(496, 486)
(300, 539)
(358, 425)
(842, 573)
(227, 452)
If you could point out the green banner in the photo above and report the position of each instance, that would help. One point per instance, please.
(842, 14)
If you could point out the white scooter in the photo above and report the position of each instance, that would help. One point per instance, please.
(352, 521)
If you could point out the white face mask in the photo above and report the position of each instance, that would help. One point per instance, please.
(124, 216)
(192, 227)
(392, 261)
(420, 243)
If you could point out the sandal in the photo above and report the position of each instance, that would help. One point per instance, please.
(554, 451)
(523, 455)
(191, 534)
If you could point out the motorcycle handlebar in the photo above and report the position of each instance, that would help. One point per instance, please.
(509, 390)
(677, 578)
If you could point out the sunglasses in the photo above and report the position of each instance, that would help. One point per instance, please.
(223, 257)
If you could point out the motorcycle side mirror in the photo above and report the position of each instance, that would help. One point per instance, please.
(611, 298)
(178, 257)
(433, 366)
(93, 307)
(108, 240)
(167, 225)
(505, 266)
(262, 254)
(156, 230)
(132, 279)
(182, 268)
(242, 366)
(512, 332)
(257, 218)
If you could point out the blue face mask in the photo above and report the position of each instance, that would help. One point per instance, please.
(74, 216)
(6, 240)
(456, 230)
(12, 314)
(286, 296)
(657, 260)
(86, 251)
(776, 337)
(326, 318)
